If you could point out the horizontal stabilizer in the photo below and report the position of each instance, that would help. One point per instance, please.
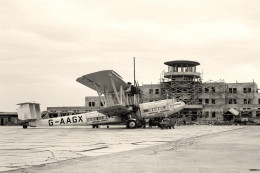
(101, 81)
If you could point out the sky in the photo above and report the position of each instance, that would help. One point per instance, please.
(46, 45)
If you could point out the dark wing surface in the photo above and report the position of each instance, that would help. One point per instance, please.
(116, 110)
(101, 81)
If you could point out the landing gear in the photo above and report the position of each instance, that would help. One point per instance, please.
(131, 124)
(95, 126)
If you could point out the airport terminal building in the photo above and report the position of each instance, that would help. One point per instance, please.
(211, 101)
(205, 101)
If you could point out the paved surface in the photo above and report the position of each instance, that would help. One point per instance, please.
(24, 148)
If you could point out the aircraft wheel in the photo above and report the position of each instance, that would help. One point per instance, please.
(131, 124)
(25, 126)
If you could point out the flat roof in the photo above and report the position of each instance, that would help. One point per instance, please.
(180, 62)
(8, 113)
(28, 103)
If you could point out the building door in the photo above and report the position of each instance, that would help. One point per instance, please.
(228, 116)
(2, 121)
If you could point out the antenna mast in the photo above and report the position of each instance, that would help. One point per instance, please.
(134, 72)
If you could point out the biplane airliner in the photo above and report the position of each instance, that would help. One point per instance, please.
(121, 100)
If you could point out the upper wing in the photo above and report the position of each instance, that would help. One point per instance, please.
(116, 110)
(101, 81)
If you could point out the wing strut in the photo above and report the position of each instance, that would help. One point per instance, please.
(123, 95)
(109, 98)
(99, 95)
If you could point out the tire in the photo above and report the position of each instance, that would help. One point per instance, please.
(25, 126)
(131, 124)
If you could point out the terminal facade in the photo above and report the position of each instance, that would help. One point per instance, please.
(205, 101)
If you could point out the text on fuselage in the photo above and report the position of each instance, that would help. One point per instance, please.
(67, 120)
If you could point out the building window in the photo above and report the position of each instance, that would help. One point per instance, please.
(232, 90)
(102, 104)
(206, 90)
(258, 101)
(213, 101)
(200, 101)
(213, 89)
(213, 114)
(246, 114)
(91, 104)
(156, 91)
(258, 114)
(9, 119)
(206, 114)
(247, 90)
(200, 90)
(150, 91)
(247, 101)
(206, 101)
(232, 101)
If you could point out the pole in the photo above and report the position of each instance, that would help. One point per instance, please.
(134, 73)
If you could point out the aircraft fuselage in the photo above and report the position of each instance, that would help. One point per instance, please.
(147, 111)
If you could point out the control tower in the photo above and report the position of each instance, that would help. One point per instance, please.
(182, 81)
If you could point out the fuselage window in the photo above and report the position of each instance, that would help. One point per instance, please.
(146, 110)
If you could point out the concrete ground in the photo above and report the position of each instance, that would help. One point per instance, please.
(184, 149)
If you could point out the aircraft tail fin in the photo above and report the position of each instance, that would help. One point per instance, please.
(29, 111)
